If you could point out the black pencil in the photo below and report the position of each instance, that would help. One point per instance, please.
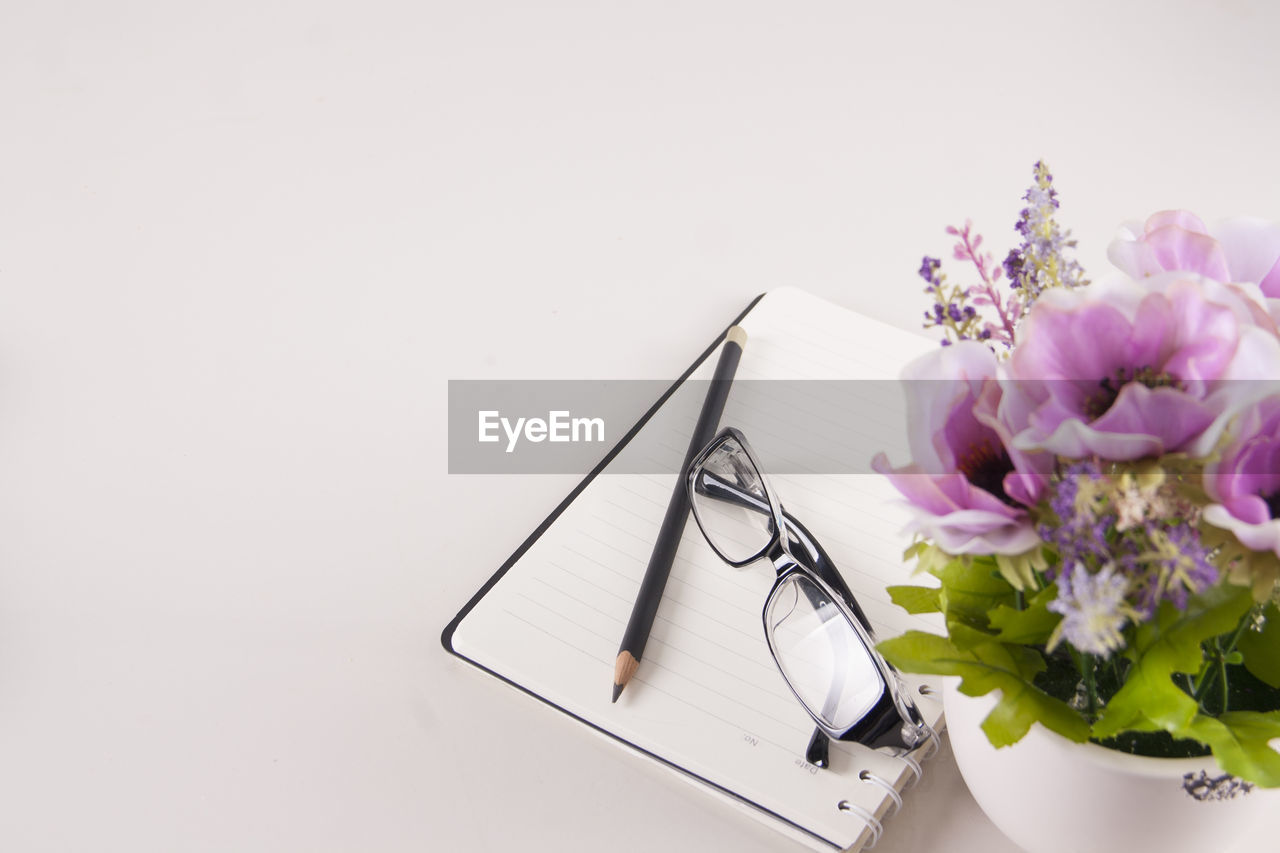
(664, 549)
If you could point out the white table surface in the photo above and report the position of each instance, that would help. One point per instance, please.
(244, 245)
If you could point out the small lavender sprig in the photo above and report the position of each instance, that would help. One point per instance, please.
(1040, 262)
(951, 311)
(1080, 521)
(1034, 266)
(967, 249)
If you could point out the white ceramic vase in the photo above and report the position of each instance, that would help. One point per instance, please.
(1049, 795)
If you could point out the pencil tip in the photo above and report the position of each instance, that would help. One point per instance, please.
(622, 672)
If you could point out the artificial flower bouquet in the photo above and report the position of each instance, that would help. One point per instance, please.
(1096, 486)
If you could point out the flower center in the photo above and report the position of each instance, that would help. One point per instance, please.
(1273, 503)
(1109, 388)
(985, 466)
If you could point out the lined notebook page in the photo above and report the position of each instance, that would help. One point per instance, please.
(708, 697)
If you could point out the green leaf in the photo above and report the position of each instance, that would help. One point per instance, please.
(997, 659)
(1149, 700)
(967, 635)
(987, 667)
(916, 599)
(1167, 644)
(973, 588)
(1239, 740)
(1261, 649)
(1030, 626)
(1022, 704)
(929, 558)
(1020, 569)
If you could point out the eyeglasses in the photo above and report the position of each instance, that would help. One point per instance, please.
(817, 633)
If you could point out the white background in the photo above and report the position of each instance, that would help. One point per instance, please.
(243, 246)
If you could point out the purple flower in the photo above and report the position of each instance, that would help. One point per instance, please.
(1122, 370)
(1238, 250)
(1244, 482)
(1161, 558)
(1079, 534)
(929, 272)
(1182, 565)
(1041, 261)
(1093, 609)
(968, 492)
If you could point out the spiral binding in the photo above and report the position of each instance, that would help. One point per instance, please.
(923, 753)
(877, 828)
(868, 776)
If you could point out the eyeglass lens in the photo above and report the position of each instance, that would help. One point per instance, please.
(820, 653)
(731, 504)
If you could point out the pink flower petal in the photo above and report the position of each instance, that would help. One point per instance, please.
(1251, 246)
(1177, 248)
(1178, 218)
(1270, 284)
(1075, 439)
(1165, 414)
(935, 385)
(1055, 334)
(1257, 537)
(956, 516)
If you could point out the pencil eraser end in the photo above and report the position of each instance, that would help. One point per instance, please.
(737, 335)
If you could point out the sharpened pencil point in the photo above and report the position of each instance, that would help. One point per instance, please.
(622, 672)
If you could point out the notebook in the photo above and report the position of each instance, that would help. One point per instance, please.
(708, 700)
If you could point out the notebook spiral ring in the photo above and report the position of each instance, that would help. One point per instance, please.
(892, 792)
(876, 827)
(932, 744)
(914, 767)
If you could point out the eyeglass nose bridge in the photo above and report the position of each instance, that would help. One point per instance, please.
(779, 556)
(802, 548)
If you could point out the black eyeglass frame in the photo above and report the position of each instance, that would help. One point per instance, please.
(894, 724)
